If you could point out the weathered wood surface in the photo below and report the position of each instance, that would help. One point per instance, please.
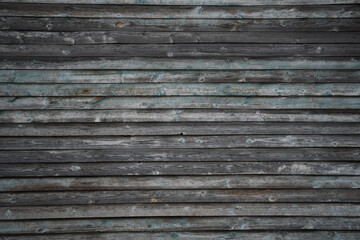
(209, 235)
(237, 224)
(179, 196)
(178, 115)
(183, 12)
(195, 2)
(177, 25)
(137, 63)
(183, 50)
(179, 155)
(189, 102)
(174, 119)
(197, 89)
(181, 209)
(219, 141)
(176, 76)
(178, 182)
(176, 169)
(112, 37)
(186, 129)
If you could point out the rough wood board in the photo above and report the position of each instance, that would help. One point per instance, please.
(182, 169)
(217, 12)
(182, 129)
(178, 115)
(179, 196)
(178, 182)
(176, 76)
(179, 155)
(178, 25)
(179, 224)
(197, 89)
(181, 209)
(112, 37)
(195, 2)
(319, 235)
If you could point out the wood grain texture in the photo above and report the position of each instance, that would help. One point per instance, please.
(183, 12)
(178, 115)
(200, 89)
(186, 129)
(181, 142)
(176, 76)
(174, 119)
(136, 63)
(194, 2)
(261, 235)
(190, 102)
(183, 50)
(122, 37)
(238, 224)
(179, 196)
(178, 182)
(179, 155)
(182, 169)
(181, 209)
(177, 25)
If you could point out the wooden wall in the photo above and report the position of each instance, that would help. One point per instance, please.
(180, 119)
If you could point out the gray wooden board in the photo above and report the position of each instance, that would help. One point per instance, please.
(176, 76)
(195, 2)
(134, 129)
(260, 235)
(179, 155)
(179, 196)
(178, 182)
(182, 142)
(183, 50)
(195, 89)
(178, 25)
(148, 63)
(183, 12)
(184, 102)
(183, 168)
(116, 37)
(179, 224)
(178, 115)
(182, 209)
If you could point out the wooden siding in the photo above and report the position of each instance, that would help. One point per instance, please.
(180, 119)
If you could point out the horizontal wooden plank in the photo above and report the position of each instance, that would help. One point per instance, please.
(183, 50)
(184, 168)
(178, 182)
(167, 89)
(289, 63)
(224, 141)
(191, 12)
(112, 37)
(160, 210)
(185, 76)
(185, 115)
(179, 196)
(195, 2)
(186, 129)
(179, 224)
(179, 155)
(186, 102)
(178, 25)
(324, 235)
